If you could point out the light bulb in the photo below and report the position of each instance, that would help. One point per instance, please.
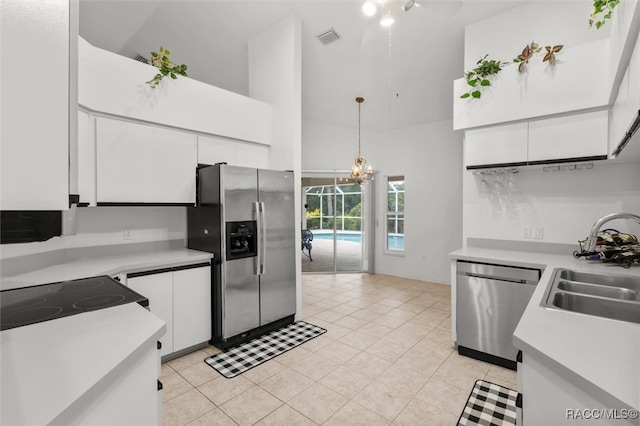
(387, 20)
(369, 8)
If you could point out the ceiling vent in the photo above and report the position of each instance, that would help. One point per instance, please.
(141, 59)
(328, 36)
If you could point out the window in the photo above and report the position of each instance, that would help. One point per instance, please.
(395, 214)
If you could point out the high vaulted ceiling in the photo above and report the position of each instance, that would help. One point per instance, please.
(405, 73)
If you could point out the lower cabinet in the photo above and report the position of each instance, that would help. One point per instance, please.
(129, 395)
(181, 297)
(547, 397)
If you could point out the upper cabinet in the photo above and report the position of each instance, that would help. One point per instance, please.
(140, 164)
(579, 137)
(497, 145)
(569, 138)
(38, 103)
(212, 150)
(625, 114)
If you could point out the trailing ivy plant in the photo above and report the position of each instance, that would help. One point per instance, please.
(479, 76)
(604, 8)
(161, 61)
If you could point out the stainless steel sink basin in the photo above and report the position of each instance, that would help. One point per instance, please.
(609, 291)
(608, 296)
(600, 307)
(606, 280)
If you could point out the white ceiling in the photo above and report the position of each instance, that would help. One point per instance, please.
(405, 74)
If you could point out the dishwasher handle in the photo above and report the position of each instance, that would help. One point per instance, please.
(499, 272)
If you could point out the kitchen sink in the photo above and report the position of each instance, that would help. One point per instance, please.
(606, 280)
(607, 296)
(609, 291)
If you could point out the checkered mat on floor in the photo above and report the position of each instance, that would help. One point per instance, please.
(489, 405)
(236, 361)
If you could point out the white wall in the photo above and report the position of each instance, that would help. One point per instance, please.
(104, 226)
(430, 158)
(275, 77)
(546, 23)
(565, 203)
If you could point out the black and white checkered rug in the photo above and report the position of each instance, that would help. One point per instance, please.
(489, 405)
(236, 361)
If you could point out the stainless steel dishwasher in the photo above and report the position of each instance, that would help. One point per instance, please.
(490, 300)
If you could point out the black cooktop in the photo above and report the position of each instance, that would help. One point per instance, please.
(30, 305)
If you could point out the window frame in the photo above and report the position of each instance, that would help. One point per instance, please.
(395, 216)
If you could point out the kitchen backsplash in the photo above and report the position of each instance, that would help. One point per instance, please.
(561, 205)
(98, 226)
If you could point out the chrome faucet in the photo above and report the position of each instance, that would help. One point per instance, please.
(593, 235)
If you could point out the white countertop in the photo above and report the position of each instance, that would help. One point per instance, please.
(46, 367)
(604, 352)
(109, 264)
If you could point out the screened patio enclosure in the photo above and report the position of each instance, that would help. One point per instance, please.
(333, 212)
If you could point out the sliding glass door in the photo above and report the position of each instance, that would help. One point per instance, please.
(334, 239)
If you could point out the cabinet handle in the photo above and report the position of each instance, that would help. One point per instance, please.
(519, 356)
(159, 345)
(159, 385)
(519, 400)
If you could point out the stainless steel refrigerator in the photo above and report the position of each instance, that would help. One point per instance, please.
(245, 217)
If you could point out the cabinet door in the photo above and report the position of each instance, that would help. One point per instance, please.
(86, 158)
(34, 165)
(216, 150)
(191, 307)
(158, 288)
(496, 146)
(144, 164)
(252, 155)
(569, 137)
(634, 83)
(619, 114)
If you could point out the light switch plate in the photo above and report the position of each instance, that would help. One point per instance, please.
(526, 231)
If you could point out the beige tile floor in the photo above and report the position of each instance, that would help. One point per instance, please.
(386, 359)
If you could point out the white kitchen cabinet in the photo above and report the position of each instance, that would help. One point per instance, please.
(86, 158)
(158, 288)
(212, 150)
(191, 307)
(129, 396)
(496, 145)
(568, 137)
(619, 114)
(37, 68)
(554, 397)
(138, 164)
(634, 82)
(252, 155)
(181, 297)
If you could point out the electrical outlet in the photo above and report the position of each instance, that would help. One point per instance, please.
(526, 231)
(127, 233)
(538, 232)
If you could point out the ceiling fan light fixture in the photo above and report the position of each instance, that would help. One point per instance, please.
(387, 20)
(369, 8)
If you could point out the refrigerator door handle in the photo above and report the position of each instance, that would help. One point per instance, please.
(263, 237)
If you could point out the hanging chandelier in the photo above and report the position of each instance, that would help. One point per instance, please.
(360, 172)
